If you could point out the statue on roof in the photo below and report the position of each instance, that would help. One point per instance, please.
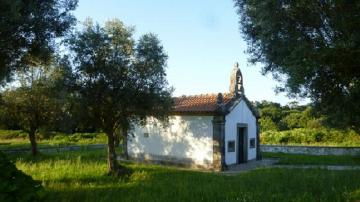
(236, 81)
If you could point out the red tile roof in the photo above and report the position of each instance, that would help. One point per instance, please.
(199, 103)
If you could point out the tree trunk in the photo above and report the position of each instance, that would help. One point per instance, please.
(117, 139)
(33, 142)
(112, 162)
(114, 168)
(125, 141)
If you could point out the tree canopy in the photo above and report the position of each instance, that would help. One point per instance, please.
(274, 117)
(313, 47)
(121, 80)
(39, 101)
(28, 30)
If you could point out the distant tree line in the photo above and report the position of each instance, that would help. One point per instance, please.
(294, 124)
(276, 117)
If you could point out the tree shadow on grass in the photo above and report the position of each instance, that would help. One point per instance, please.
(98, 188)
(96, 193)
(261, 185)
(137, 188)
(89, 180)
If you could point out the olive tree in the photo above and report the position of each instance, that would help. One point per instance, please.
(313, 47)
(28, 29)
(121, 81)
(38, 101)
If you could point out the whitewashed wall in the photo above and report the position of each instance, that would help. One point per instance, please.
(186, 137)
(240, 114)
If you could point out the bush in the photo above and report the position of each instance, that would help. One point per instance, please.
(78, 138)
(44, 134)
(12, 134)
(15, 185)
(267, 124)
(319, 136)
(86, 135)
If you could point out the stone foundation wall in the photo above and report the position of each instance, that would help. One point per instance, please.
(312, 150)
(170, 160)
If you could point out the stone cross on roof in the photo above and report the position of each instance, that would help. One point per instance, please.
(236, 65)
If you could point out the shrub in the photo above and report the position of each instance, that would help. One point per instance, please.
(86, 135)
(15, 185)
(44, 134)
(319, 136)
(284, 138)
(267, 124)
(12, 134)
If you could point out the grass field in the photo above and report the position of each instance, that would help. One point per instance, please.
(80, 176)
(299, 159)
(17, 139)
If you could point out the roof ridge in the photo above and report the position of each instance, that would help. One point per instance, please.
(203, 95)
(207, 103)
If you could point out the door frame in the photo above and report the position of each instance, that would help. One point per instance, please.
(245, 146)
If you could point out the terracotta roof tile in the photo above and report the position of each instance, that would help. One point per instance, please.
(199, 103)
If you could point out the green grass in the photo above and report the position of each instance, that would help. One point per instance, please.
(81, 176)
(300, 159)
(17, 139)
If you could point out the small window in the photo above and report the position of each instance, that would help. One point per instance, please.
(252, 143)
(146, 135)
(231, 146)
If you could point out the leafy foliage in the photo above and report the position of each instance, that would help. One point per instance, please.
(17, 186)
(38, 103)
(300, 125)
(275, 117)
(313, 46)
(121, 81)
(12, 134)
(318, 136)
(28, 29)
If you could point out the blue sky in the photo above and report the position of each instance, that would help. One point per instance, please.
(201, 38)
